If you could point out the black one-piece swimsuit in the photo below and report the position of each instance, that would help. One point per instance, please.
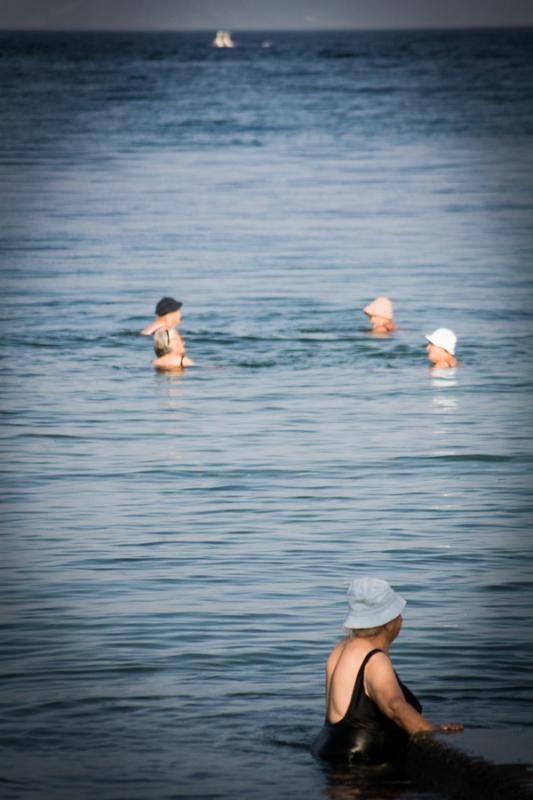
(365, 735)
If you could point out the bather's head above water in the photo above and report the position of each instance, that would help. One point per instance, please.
(380, 314)
(168, 316)
(374, 609)
(440, 348)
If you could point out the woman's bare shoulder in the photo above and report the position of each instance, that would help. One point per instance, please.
(351, 651)
(379, 668)
(380, 661)
(335, 654)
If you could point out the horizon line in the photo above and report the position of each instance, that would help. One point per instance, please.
(406, 28)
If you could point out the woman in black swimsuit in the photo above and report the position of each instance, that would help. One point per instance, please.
(370, 713)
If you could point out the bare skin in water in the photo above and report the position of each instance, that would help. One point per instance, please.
(170, 350)
(439, 357)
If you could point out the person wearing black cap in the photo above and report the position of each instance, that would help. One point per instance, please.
(168, 317)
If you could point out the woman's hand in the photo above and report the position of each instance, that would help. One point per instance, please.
(450, 727)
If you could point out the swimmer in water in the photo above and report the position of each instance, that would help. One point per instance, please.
(370, 713)
(441, 348)
(170, 351)
(380, 315)
(168, 317)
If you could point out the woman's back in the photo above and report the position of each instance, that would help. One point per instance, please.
(342, 667)
(355, 729)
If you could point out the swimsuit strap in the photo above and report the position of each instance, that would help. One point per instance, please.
(366, 659)
(358, 685)
(369, 656)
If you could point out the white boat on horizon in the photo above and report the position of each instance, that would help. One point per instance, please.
(223, 39)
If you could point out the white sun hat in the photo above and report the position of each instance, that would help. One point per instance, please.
(372, 602)
(445, 338)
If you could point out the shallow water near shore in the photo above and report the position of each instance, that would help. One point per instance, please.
(176, 548)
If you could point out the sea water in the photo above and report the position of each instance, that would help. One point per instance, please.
(176, 548)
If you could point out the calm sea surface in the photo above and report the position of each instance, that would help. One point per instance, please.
(176, 548)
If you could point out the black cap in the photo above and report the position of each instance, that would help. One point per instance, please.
(166, 305)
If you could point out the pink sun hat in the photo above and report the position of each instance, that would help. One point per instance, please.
(380, 307)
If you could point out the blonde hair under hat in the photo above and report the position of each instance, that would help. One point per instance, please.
(380, 307)
(372, 602)
(445, 338)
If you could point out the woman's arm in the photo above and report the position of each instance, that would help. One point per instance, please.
(151, 328)
(383, 688)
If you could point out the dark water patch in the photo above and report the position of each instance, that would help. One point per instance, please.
(460, 457)
(339, 54)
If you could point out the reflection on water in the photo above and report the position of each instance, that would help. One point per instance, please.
(445, 404)
(442, 378)
(368, 783)
(172, 387)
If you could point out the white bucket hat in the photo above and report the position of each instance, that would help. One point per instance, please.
(445, 338)
(372, 602)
